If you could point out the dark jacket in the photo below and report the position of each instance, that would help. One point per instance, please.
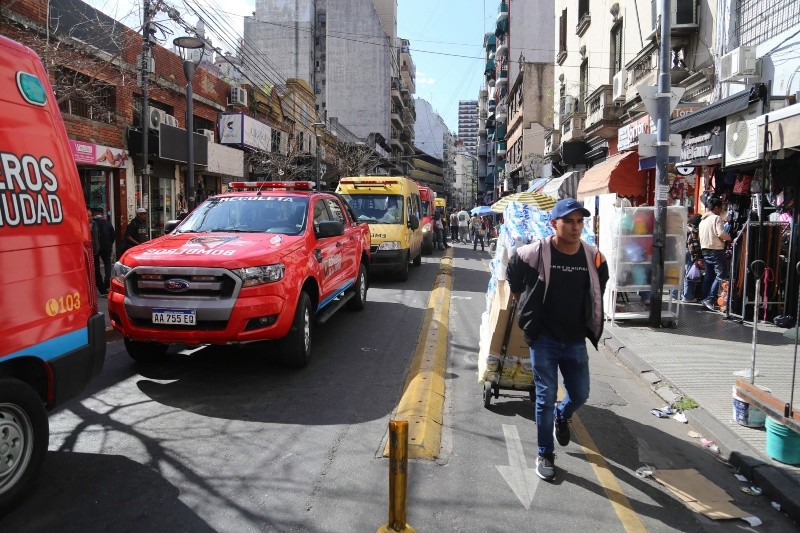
(528, 272)
(106, 234)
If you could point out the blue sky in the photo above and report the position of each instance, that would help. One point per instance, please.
(439, 27)
(446, 41)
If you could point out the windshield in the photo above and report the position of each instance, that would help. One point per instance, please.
(426, 208)
(248, 214)
(377, 208)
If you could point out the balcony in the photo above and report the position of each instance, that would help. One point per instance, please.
(491, 42)
(502, 12)
(552, 141)
(500, 132)
(396, 91)
(394, 142)
(502, 114)
(492, 105)
(643, 70)
(572, 127)
(603, 116)
(502, 47)
(502, 78)
(501, 148)
(502, 27)
(408, 117)
(490, 67)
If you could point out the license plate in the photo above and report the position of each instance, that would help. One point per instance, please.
(179, 317)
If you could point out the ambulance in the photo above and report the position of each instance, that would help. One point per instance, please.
(53, 335)
(392, 207)
(427, 197)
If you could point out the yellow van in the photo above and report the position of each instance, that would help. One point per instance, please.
(392, 208)
(440, 204)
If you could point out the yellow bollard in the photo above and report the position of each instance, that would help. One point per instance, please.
(398, 478)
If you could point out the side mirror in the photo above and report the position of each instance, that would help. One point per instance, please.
(170, 225)
(413, 222)
(328, 228)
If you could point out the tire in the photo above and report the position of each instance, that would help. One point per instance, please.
(24, 436)
(487, 393)
(145, 352)
(359, 300)
(296, 345)
(418, 259)
(402, 274)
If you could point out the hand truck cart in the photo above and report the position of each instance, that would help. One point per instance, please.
(492, 387)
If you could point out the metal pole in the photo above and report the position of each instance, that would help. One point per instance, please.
(145, 67)
(188, 70)
(398, 478)
(662, 160)
(319, 165)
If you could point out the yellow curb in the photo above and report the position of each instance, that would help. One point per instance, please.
(422, 402)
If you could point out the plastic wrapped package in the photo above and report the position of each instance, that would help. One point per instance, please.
(509, 369)
(523, 376)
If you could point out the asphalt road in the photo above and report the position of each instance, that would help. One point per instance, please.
(226, 439)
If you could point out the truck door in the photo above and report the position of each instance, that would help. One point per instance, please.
(332, 252)
(350, 240)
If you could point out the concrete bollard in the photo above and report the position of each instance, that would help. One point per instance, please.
(398, 478)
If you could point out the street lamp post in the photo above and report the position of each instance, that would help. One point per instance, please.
(316, 125)
(185, 45)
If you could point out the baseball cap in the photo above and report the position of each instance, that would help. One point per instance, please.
(141, 210)
(566, 206)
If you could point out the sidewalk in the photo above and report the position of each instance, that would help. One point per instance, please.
(698, 359)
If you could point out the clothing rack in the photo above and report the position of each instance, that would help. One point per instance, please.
(740, 278)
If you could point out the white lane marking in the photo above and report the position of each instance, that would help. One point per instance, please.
(522, 480)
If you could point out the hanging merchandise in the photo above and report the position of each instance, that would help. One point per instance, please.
(742, 184)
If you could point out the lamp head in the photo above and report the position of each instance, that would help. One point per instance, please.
(186, 44)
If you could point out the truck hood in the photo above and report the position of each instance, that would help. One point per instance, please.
(226, 250)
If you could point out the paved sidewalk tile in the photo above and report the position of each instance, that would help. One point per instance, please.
(700, 356)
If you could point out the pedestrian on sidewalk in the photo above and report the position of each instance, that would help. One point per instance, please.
(454, 226)
(463, 225)
(107, 235)
(694, 260)
(713, 239)
(558, 283)
(480, 234)
(98, 278)
(438, 232)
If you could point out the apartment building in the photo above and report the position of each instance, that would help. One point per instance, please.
(468, 125)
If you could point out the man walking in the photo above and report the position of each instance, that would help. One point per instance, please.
(463, 225)
(712, 242)
(558, 283)
(454, 226)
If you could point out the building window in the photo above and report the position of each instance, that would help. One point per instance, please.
(86, 98)
(562, 37)
(276, 142)
(755, 27)
(300, 140)
(616, 49)
(584, 88)
(584, 17)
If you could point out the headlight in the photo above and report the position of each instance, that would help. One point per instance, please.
(389, 245)
(426, 228)
(119, 272)
(260, 274)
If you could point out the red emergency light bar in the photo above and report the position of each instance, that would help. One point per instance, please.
(261, 185)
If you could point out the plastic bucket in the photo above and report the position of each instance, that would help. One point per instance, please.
(783, 444)
(746, 414)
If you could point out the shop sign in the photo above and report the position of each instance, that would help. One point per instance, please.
(241, 130)
(703, 147)
(628, 135)
(226, 161)
(94, 154)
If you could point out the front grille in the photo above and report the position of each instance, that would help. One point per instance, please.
(152, 283)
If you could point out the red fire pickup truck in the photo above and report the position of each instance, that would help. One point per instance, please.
(265, 261)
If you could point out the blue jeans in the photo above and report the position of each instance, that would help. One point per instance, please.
(548, 356)
(716, 270)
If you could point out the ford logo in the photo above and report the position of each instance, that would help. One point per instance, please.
(176, 285)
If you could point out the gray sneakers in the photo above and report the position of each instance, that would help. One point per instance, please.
(545, 467)
(709, 304)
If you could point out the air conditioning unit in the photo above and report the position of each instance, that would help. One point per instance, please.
(682, 13)
(156, 118)
(738, 63)
(169, 120)
(238, 96)
(208, 133)
(619, 85)
(741, 137)
(569, 104)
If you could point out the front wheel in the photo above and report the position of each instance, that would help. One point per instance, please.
(359, 300)
(296, 345)
(418, 259)
(24, 434)
(402, 275)
(145, 352)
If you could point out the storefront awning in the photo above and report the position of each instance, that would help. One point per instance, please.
(562, 187)
(784, 127)
(719, 110)
(618, 174)
(537, 184)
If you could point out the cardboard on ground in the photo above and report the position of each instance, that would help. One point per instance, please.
(699, 494)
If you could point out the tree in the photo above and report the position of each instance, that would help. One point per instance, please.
(351, 159)
(291, 166)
